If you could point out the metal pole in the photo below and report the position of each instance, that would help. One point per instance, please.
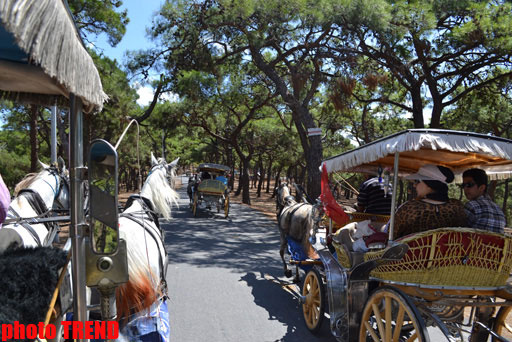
(53, 135)
(77, 214)
(393, 196)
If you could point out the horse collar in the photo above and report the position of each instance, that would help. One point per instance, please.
(147, 205)
(35, 200)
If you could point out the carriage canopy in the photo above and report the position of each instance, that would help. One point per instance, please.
(42, 57)
(416, 147)
(215, 168)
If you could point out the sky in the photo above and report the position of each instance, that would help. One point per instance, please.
(140, 13)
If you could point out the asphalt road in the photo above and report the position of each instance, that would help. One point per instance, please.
(225, 279)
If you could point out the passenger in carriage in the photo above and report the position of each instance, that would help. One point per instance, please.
(431, 208)
(481, 211)
(205, 175)
(222, 179)
(374, 197)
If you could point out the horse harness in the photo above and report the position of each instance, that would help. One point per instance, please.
(151, 215)
(37, 203)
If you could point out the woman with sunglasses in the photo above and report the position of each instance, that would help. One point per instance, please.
(431, 208)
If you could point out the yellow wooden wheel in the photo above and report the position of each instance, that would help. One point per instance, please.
(389, 315)
(194, 206)
(501, 326)
(314, 305)
(226, 207)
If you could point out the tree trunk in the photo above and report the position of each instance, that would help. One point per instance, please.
(260, 177)
(313, 162)
(34, 110)
(269, 173)
(246, 198)
(277, 181)
(417, 107)
(240, 171)
(63, 136)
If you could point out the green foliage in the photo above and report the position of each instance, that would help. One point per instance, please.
(94, 17)
(14, 154)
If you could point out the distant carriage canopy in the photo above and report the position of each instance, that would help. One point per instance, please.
(454, 149)
(214, 168)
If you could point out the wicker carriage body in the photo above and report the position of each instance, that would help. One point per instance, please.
(448, 257)
(454, 257)
(212, 187)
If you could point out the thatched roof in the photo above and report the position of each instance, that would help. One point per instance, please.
(56, 62)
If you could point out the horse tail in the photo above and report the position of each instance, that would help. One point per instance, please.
(138, 294)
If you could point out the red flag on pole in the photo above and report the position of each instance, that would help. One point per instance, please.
(331, 207)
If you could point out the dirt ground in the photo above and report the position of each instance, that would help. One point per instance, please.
(264, 203)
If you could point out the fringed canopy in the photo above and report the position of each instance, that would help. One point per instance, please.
(42, 58)
(416, 147)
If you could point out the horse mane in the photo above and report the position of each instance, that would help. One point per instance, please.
(25, 182)
(162, 195)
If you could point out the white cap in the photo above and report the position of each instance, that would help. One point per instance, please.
(428, 172)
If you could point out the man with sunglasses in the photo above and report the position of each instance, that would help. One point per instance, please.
(481, 211)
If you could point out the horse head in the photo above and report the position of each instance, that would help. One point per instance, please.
(171, 168)
(284, 197)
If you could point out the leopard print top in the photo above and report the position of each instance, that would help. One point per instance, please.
(417, 216)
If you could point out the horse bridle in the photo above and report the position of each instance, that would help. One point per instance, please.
(64, 181)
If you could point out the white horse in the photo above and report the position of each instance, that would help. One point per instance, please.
(147, 256)
(36, 195)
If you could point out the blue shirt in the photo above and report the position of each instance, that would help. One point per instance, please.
(222, 179)
(483, 213)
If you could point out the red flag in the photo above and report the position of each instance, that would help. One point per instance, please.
(331, 207)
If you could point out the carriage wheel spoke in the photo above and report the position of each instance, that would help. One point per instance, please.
(399, 323)
(388, 318)
(413, 337)
(378, 318)
(372, 332)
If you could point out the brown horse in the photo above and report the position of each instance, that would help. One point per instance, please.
(295, 220)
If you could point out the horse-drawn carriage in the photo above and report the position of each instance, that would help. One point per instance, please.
(449, 282)
(34, 71)
(211, 190)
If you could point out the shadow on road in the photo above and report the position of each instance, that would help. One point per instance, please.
(280, 299)
(245, 241)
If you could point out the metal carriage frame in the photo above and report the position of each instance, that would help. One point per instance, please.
(365, 305)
